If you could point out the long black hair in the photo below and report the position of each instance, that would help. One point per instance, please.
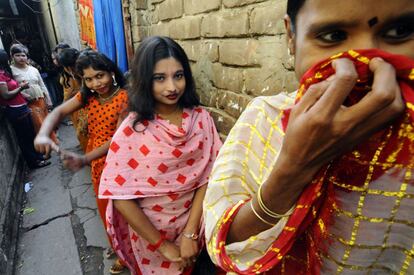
(150, 51)
(4, 63)
(67, 58)
(96, 61)
(293, 7)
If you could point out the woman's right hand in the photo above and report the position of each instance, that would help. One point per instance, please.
(170, 251)
(24, 85)
(44, 144)
(320, 128)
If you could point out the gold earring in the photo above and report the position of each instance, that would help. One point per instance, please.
(290, 61)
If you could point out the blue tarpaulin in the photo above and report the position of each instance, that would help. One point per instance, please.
(109, 29)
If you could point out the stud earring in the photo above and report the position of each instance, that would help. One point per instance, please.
(93, 91)
(114, 81)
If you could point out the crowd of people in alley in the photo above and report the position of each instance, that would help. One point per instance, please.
(315, 182)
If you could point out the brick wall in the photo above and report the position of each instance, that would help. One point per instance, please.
(237, 48)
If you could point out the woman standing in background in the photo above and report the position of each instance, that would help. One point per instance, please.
(71, 83)
(37, 94)
(17, 112)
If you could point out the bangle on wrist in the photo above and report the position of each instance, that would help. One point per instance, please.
(157, 245)
(258, 216)
(191, 236)
(269, 212)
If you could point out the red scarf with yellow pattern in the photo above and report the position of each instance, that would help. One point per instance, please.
(306, 233)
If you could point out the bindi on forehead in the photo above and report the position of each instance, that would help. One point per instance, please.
(373, 21)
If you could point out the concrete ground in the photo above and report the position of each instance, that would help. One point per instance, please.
(61, 232)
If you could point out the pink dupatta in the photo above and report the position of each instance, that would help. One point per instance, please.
(161, 165)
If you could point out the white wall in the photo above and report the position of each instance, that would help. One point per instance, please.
(64, 18)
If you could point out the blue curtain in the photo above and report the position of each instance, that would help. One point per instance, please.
(109, 29)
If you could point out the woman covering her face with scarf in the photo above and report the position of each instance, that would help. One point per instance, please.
(323, 183)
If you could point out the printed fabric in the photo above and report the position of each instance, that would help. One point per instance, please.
(79, 118)
(160, 166)
(102, 123)
(355, 217)
(11, 85)
(37, 88)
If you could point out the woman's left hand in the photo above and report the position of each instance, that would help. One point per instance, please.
(189, 251)
(72, 161)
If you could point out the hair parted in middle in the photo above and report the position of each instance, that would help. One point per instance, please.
(99, 62)
(151, 50)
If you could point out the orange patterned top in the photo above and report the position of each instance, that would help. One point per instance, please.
(103, 117)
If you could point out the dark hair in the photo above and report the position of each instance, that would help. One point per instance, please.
(97, 61)
(61, 46)
(67, 58)
(150, 51)
(18, 48)
(293, 7)
(4, 63)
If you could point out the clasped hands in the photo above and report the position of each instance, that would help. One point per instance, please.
(185, 254)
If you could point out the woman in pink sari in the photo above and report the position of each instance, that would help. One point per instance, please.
(158, 165)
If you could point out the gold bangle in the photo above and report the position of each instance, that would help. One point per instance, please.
(258, 216)
(191, 236)
(269, 212)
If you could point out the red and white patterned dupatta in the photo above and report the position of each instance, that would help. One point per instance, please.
(160, 165)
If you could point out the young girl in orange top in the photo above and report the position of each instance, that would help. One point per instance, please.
(105, 102)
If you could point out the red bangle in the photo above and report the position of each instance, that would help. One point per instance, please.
(157, 245)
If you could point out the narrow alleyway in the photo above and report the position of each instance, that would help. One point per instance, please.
(61, 232)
